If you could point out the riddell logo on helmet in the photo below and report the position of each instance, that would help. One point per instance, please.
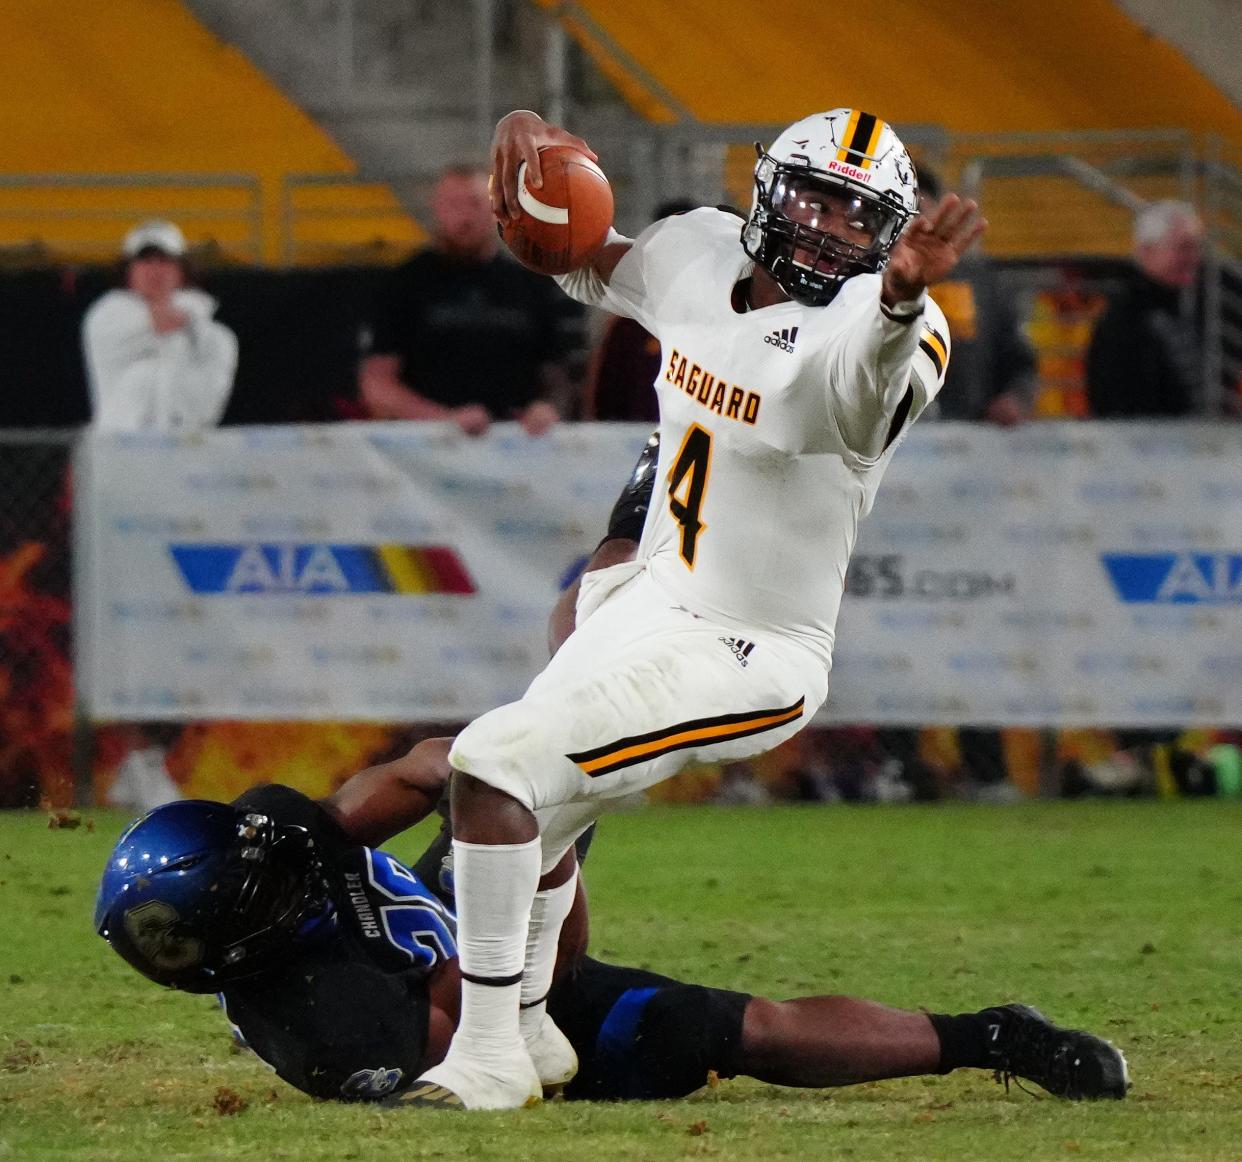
(850, 171)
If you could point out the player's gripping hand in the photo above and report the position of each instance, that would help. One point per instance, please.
(472, 418)
(518, 138)
(930, 248)
(538, 418)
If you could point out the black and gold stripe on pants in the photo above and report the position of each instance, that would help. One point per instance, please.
(640, 748)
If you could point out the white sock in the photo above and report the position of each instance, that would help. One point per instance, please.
(494, 885)
(547, 914)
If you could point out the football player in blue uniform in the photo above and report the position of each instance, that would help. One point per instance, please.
(336, 963)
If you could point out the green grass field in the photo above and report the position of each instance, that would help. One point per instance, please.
(1123, 917)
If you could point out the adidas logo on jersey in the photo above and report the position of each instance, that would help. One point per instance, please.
(783, 338)
(741, 649)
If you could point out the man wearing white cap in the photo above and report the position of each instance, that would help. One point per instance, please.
(155, 357)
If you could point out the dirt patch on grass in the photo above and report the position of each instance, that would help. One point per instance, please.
(21, 1056)
(228, 1102)
(119, 1051)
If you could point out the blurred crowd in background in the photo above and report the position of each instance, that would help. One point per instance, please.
(461, 332)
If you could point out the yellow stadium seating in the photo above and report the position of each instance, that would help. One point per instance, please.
(971, 67)
(140, 87)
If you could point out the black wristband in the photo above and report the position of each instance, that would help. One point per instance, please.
(901, 316)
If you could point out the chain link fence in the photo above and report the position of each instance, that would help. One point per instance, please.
(36, 655)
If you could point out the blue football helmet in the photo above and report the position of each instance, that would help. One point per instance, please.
(197, 895)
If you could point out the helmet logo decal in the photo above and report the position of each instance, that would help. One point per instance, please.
(151, 927)
(904, 170)
(862, 138)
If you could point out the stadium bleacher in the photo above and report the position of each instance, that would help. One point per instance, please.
(1025, 72)
(139, 87)
(1020, 75)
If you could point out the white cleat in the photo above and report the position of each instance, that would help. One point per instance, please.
(458, 1083)
(554, 1057)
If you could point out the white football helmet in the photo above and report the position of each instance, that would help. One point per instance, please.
(832, 195)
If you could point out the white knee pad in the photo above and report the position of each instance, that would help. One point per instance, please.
(509, 748)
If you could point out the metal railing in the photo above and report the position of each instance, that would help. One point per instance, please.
(1222, 212)
(344, 218)
(1048, 194)
(1075, 193)
(85, 216)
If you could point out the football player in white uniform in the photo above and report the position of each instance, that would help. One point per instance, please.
(798, 347)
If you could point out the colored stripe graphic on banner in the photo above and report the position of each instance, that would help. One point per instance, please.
(625, 752)
(321, 569)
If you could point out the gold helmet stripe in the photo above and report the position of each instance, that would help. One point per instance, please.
(843, 154)
(862, 138)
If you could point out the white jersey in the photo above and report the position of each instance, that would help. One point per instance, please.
(776, 425)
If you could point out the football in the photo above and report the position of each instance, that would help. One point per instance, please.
(566, 218)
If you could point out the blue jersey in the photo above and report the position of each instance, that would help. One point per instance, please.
(346, 1014)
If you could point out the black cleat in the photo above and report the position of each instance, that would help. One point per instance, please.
(1068, 1063)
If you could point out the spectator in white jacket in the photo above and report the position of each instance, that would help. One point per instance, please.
(155, 357)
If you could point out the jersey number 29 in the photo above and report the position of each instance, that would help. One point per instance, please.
(687, 485)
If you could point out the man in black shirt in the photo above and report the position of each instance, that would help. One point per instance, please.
(1144, 354)
(464, 333)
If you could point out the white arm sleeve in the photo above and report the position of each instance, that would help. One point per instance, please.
(931, 358)
(584, 285)
(629, 291)
(871, 368)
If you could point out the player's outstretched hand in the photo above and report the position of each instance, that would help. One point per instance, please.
(930, 248)
(518, 138)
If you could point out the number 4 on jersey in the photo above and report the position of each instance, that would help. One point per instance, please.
(687, 485)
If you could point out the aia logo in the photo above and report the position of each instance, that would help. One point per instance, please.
(783, 338)
(1213, 578)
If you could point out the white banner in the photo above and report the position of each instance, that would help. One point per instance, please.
(390, 572)
(1060, 574)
